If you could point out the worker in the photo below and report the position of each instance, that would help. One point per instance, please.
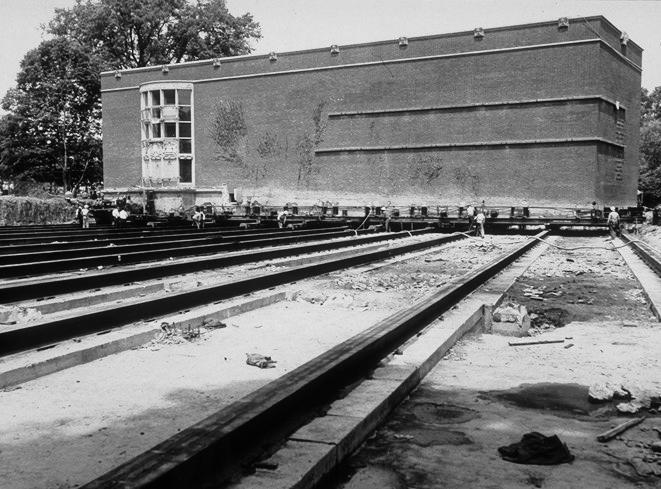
(387, 211)
(115, 216)
(479, 223)
(470, 212)
(79, 215)
(282, 218)
(593, 211)
(123, 217)
(198, 217)
(85, 212)
(614, 223)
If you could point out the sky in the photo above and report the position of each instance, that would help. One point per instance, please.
(289, 25)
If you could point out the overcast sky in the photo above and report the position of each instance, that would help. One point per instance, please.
(300, 24)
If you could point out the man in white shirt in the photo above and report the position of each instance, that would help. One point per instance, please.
(479, 224)
(123, 216)
(613, 223)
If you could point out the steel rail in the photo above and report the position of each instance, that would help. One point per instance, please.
(85, 235)
(45, 287)
(649, 256)
(177, 249)
(118, 240)
(191, 241)
(185, 458)
(105, 317)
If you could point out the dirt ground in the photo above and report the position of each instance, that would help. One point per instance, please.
(486, 394)
(67, 428)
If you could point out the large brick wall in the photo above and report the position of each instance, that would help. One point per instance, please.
(527, 114)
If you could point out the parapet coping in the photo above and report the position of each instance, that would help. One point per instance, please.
(357, 113)
(396, 61)
(374, 43)
(475, 144)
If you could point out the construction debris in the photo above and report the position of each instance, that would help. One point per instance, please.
(261, 361)
(605, 392)
(621, 428)
(540, 342)
(510, 319)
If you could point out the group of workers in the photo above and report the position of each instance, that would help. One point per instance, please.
(476, 220)
(119, 216)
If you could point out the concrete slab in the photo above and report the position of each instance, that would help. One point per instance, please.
(297, 465)
(649, 280)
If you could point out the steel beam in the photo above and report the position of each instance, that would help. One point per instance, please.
(41, 333)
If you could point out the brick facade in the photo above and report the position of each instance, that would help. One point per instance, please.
(535, 113)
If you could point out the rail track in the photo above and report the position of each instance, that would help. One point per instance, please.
(191, 458)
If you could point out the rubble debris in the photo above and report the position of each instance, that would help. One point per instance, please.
(621, 428)
(261, 361)
(537, 449)
(18, 314)
(606, 392)
(510, 319)
(213, 323)
(540, 342)
(631, 407)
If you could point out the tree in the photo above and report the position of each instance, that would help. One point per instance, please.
(52, 131)
(134, 33)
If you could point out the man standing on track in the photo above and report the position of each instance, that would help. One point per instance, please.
(614, 223)
(470, 212)
(479, 224)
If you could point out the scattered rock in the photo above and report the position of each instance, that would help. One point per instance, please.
(656, 446)
(631, 407)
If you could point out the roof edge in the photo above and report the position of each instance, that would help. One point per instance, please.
(229, 59)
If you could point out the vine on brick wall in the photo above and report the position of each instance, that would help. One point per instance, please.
(467, 181)
(308, 142)
(228, 129)
(426, 169)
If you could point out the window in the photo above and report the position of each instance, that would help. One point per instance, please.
(185, 171)
(166, 114)
(185, 146)
(168, 97)
(184, 130)
(184, 97)
(184, 113)
(170, 129)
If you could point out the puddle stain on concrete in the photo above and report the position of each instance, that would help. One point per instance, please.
(571, 398)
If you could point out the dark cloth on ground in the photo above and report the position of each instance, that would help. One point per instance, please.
(537, 449)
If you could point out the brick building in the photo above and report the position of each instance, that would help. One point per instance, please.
(545, 114)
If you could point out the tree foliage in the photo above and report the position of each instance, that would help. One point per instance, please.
(52, 129)
(650, 146)
(134, 33)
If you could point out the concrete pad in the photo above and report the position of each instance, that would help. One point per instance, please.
(297, 465)
(649, 280)
(367, 398)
